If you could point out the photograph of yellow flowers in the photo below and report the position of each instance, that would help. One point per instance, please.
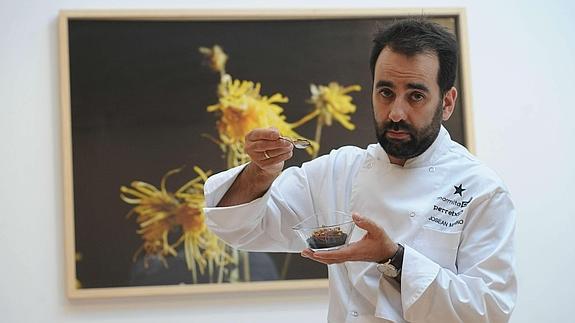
(154, 105)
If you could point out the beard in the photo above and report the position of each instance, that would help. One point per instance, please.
(419, 139)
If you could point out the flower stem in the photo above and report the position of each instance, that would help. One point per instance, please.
(246, 260)
(318, 128)
(305, 119)
(221, 268)
(285, 266)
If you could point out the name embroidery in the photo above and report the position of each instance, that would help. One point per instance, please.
(445, 223)
(459, 205)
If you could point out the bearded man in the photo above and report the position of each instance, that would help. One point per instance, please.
(435, 226)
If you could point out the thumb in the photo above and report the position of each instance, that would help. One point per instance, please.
(365, 223)
(275, 133)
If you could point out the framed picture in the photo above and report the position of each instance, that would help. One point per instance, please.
(154, 102)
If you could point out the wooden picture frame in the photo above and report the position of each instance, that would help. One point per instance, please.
(116, 126)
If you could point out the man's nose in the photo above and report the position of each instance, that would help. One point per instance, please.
(397, 111)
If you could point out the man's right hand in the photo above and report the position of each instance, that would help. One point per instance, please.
(268, 153)
(267, 150)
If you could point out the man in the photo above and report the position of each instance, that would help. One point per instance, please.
(436, 238)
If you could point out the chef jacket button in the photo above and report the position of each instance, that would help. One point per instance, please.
(354, 314)
(412, 214)
(431, 169)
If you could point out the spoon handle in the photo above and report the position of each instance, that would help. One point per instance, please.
(298, 143)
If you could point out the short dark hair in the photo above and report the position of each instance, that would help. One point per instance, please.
(416, 36)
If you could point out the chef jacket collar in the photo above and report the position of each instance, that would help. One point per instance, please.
(428, 157)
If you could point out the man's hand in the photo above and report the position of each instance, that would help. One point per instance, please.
(267, 150)
(375, 246)
(268, 153)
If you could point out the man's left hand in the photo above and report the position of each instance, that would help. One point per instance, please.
(374, 246)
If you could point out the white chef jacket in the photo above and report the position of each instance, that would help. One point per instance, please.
(452, 214)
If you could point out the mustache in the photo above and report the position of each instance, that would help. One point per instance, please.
(398, 126)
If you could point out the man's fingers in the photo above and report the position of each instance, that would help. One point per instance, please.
(263, 134)
(265, 161)
(264, 145)
(271, 153)
(366, 223)
(308, 253)
(267, 145)
(347, 253)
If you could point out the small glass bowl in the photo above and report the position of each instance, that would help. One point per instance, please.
(326, 231)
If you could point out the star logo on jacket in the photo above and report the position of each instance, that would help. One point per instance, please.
(459, 190)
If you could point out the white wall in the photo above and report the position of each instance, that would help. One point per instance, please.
(522, 68)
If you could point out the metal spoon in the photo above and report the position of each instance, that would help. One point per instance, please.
(298, 143)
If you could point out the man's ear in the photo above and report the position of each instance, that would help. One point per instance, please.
(449, 100)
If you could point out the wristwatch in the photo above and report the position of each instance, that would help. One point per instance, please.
(392, 267)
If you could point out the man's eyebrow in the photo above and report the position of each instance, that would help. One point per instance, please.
(418, 86)
(382, 83)
(414, 86)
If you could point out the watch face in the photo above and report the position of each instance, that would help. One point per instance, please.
(388, 270)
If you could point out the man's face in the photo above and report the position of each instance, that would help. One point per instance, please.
(407, 104)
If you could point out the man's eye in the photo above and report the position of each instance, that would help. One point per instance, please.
(386, 93)
(416, 96)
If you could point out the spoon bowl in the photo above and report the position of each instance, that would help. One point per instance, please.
(298, 143)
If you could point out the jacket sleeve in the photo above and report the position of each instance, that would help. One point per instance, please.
(484, 288)
(264, 224)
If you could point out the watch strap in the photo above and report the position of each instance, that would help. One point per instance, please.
(397, 259)
(394, 263)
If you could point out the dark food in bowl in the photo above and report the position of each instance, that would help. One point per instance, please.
(327, 238)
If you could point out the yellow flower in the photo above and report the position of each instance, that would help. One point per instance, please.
(154, 209)
(242, 108)
(216, 58)
(160, 212)
(332, 102)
